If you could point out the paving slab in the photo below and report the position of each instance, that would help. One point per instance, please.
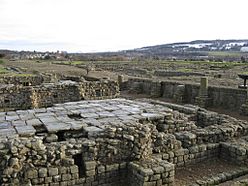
(49, 119)
(55, 127)
(34, 122)
(25, 131)
(93, 116)
(5, 125)
(18, 123)
(77, 125)
(89, 115)
(93, 131)
(7, 132)
(27, 116)
(12, 117)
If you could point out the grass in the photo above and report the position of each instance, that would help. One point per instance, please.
(224, 53)
(1, 62)
(77, 62)
(3, 70)
(21, 75)
(213, 63)
(185, 70)
(245, 73)
(181, 64)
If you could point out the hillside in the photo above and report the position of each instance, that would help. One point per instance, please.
(229, 50)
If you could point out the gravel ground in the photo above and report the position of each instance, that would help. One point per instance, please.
(188, 175)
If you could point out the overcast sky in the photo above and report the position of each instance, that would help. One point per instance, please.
(110, 25)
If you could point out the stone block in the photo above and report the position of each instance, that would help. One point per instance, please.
(31, 174)
(66, 177)
(90, 173)
(53, 171)
(90, 165)
(42, 172)
(74, 169)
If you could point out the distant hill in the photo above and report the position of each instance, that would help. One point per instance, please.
(230, 50)
(200, 45)
(199, 49)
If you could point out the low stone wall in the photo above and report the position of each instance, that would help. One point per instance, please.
(166, 73)
(223, 177)
(144, 86)
(12, 97)
(32, 162)
(136, 71)
(20, 79)
(79, 144)
(192, 155)
(45, 95)
(227, 98)
(236, 151)
(151, 172)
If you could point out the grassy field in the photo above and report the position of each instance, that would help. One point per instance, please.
(228, 70)
(20, 75)
(178, 65)
(1, 62)
(3, 70)
(224, 53)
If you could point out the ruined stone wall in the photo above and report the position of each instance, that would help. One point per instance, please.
(31, 162)
(136, 72)
(151, 172)
(85, 155)
(124, 69)
(165, 73)
(102, 89)
(15, 97)
(235, 151)
(214, 137)
(112, 142)
(25, 80)
(45, 96)
(19, 97)
(135, 85)
(144, 86)
(227, 98)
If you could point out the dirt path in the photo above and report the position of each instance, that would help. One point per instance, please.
(192, 173)
(232, 182)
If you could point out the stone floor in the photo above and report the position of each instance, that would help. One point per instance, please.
(93, 116)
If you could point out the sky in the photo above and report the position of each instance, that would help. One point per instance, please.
(112, 25)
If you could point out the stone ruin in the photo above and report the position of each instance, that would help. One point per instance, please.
(22, 79)
(25, 92)
(203, 95)
(115, 142)
(61, 131)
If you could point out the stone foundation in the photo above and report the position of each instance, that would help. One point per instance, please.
(113, 142)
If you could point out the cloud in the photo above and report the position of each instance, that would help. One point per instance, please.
(96, 25)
